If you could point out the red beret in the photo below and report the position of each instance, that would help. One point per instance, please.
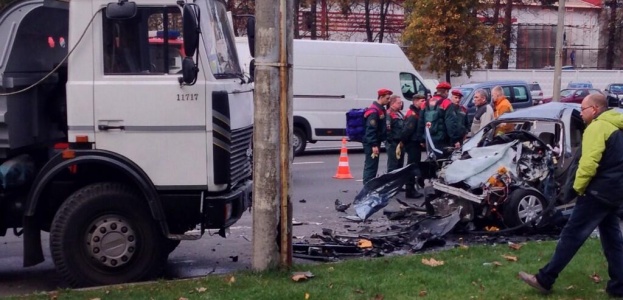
(457, 93)
(383, 92)
(444, 86)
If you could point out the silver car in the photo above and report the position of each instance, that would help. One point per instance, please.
(536, 92)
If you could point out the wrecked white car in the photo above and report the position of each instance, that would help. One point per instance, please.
(511, 172)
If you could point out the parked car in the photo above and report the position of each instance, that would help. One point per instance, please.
(614, 91)
(573, 95)
(536, 92)
(511, 177)
(579, 85)
(517, 92)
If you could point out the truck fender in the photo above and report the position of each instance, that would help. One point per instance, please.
(32, 238)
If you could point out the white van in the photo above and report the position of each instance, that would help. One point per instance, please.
(332, 77)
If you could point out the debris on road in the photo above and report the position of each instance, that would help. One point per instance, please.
(377, 192)
(341, 207)
(416, 234)
(302, 201)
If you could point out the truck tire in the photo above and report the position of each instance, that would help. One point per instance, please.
(523, 206)
(104, 234)
(299, 141)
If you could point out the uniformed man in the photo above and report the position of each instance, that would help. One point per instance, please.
(375, 134)
(395, 160)
(411, 142)
(461, 111)
(442, 120)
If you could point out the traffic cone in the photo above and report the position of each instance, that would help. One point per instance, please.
(343, 170)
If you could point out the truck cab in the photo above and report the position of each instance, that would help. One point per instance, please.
(114, 148)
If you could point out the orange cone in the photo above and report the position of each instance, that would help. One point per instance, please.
(343, 170)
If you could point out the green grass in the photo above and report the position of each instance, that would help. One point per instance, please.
(463, 276)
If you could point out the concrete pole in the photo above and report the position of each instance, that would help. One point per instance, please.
(558, 62)
(272, 151)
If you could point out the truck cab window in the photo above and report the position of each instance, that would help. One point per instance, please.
(411, 85)
(149, 43)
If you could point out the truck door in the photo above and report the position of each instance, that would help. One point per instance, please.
(141, 112)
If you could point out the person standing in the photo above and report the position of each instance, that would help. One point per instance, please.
(461, 112)
(484, 112)
(375, 134)
(410, 140)
(438, 115)
(501, 105)
(599, 185)
(395, 160)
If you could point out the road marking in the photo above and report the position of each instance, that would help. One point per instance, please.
(359, 180)
(308, 162)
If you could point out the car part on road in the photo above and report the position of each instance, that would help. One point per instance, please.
(377, 192)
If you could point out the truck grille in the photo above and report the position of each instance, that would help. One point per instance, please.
(240, 154)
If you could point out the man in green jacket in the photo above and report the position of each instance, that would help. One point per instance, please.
(375, 134)
(599, 187)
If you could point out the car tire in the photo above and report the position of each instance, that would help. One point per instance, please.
(104, 234)
(299, 141)
(524, 205)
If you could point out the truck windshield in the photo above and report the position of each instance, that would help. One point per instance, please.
(219, 42)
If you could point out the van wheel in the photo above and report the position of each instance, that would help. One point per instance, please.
(104, 234)
(524, 206)
(299, 141)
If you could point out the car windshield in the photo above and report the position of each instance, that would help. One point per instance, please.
(219, 40)
(616, 88)
(544, 130)
(535, 87)
(566, 93)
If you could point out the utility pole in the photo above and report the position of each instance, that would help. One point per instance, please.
(558, 59)
(272, 150)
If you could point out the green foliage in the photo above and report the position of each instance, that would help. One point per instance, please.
(447, 34)
(478, 272)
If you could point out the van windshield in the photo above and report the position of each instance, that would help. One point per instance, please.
(219, 42)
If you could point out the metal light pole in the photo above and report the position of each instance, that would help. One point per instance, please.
(558, 62)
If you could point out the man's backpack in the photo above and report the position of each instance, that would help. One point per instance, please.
(356, 123)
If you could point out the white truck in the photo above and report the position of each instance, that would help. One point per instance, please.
(331, 77)
(110, 149)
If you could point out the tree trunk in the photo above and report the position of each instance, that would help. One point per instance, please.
(314, 28)
(612, 25)
(506, 38)
(496, 17)
(383, 18)
(366, 6)
(272, 95)
(297, 7)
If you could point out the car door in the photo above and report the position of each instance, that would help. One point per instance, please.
(141, 111)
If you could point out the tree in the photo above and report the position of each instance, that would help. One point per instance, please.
(613, 37)
(448, 34)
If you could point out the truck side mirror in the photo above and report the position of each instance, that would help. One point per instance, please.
(251, 36)
(123, 9)
(191, 29)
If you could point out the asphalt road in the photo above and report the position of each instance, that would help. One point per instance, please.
(313, 182)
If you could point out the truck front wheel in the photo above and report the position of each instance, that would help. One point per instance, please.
(299, 141)
(104, 234)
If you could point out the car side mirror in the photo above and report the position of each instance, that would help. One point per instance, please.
(121, 10)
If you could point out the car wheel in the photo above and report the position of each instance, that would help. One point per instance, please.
(299, 141)
(523, 206)
(104, 234)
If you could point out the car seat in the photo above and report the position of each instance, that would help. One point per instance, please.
(548, 138)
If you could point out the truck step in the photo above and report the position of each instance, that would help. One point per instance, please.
(194, 234)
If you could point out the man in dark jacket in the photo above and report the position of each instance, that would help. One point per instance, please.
(375, 134)
(395, 160)
(441, 119)
(411, 142)
(599, 186)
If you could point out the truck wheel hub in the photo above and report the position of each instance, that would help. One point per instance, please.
(111, 241)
